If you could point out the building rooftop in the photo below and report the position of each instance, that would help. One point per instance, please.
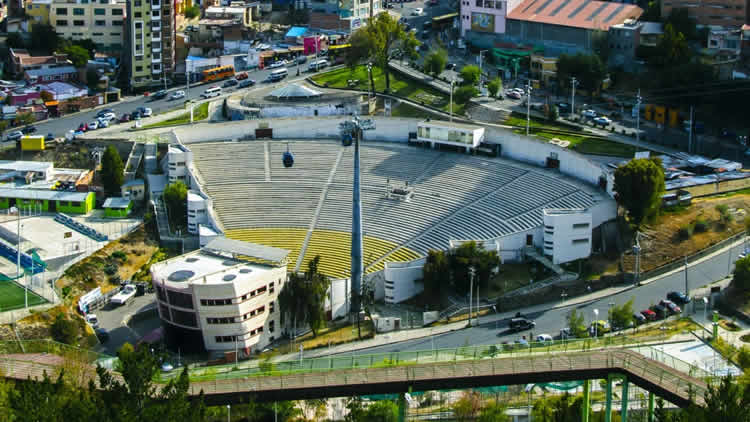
(35, 73)
(43, 194)
(206, 268)
(586, 14)
(120, 203)
(134, 182)
(225, 10)
(296, 31)
(252, 250)
(38, 166)
(442, 123)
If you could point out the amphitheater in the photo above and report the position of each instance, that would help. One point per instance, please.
(307, 208)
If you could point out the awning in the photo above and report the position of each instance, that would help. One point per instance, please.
(336, 47)
(51, 103)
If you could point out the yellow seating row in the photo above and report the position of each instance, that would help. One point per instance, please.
(285, 238)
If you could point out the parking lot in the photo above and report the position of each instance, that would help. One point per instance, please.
(122, 326)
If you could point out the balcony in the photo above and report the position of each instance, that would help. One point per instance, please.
(155, 71)
(155, 50)
(156, 37)
(155, 5)
(155, 26)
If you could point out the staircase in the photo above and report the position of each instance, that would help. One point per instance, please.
(80, 228)
(531, 252)
(486, 114)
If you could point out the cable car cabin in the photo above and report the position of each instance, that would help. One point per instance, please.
(346, 140)
(287, 159)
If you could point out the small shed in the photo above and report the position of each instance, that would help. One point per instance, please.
(134, 189)
(117, 207)
(32, 143)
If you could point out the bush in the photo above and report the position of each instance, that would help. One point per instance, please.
(64, 330)
(192, 12)
(700, 226)
(110, 269)
(685, 232)
(120, 256)
(66, 291)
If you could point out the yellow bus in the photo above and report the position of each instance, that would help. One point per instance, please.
(218, 73)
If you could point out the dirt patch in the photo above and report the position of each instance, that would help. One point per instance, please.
(66, 155)
(664, 242)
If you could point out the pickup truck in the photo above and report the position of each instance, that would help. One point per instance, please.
(124, 295)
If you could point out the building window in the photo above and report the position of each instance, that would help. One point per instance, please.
(271, 307)
(62, 23)
(271, 326)
(79, 23)
(137, 15)
(137, 3)
(270, 288)
(580, 225)
(100, 23)
(580, 241)
(98, 34)
(77, 11)
(140, 69)
(224, 339)
(116, 12)
(100, 12)
(62, 11)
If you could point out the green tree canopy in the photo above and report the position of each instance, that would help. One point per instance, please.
(175, 199)
(639, 185)
(679, 18)
(25, 119)
(435, 62)
(672, 49)
(112, 171)
(303, 296)
(741, 274)
(464, 94)
(45, 38)
(435, 274)
(493, 412)
(78, 55)
(64, 330)
(577, 324)
(192, 12)
(622, 315)
(470, 74)
(494, 86)
(589, 69)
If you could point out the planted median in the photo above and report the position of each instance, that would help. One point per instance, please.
(199, 113)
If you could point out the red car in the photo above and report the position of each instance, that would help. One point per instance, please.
(124, 118)
(241, 76)
(649, 314)
(673, 308)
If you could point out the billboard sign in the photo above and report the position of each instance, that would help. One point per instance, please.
(482, 22)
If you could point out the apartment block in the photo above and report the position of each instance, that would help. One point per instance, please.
(151, 37)
(727, 13)
(102, 21)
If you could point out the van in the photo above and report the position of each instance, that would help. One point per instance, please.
(278, 75)
(520, 324)
(214, 91)
(317, 65)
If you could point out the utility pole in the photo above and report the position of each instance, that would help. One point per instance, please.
(637, 253)
(638, 100)
(453, 80)
(573, 83)
(687, 288)
(528, 106)
(690, 132)
(471, 290)
(480, 69)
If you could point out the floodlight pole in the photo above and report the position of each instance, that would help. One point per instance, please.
(528, 107)
(356, 252)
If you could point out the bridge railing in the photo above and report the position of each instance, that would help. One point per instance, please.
(52, 347)
(406, 358)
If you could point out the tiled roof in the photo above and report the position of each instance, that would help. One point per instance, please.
(587, 14)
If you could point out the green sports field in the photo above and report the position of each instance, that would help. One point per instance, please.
(12, 296)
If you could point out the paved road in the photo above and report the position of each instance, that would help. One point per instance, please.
(59, 126)
(492, 329)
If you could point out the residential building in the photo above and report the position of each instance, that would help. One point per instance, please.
(345, 15)
(723, 51)
(21, 60)
(543, 69)
(151, 38)
(243, 15)
(62, 90)
(725, 13)
(198, 206)
(178, 158)
(64, 73)
(485, 15)
(223, 297)
(101, 21)
(38, 11)
(567, 234)
(625, 38)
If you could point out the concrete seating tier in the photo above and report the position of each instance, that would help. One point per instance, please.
(229, 162)
(312, 160)
(272, 204)
(80, 227)
(285, 238)
(379, 163)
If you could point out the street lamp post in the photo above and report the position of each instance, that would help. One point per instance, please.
(596, 318)
(229, 413)
(372, 83)
(471, 290)
(453, 81)
(481, 53)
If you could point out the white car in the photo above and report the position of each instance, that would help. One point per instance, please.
(146, 112)
(276, 64)
(94, 125)
(602, 120)
(108, 117)
(124, 295)
(543, 338)
(589, 113)
(418, 11)
(177, 95)
(14, 135)
(92, 320)
(103, 123)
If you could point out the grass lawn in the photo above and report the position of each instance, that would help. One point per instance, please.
(200, 113)
(515, 120)
(401, 86)
(12, 296)
(329, 335)
(511, 277)
(593, 146)
(407, 110)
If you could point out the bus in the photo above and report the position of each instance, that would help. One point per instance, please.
(214, 91)
(218, 73)
(444, 21)
(278, 75)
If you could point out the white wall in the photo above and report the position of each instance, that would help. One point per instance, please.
(337, 299)
(562, 240)
(400, 280)
(272, 111)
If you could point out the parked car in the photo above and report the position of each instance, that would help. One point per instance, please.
(160, 94)
(230, 82)
(649, 314)
(102, 123)
(520, 324)
(94, 125)
(542, 338)
(124, 295)
(418, 11)
(177, 95)
(102, 335)
(563, 107)
(678, 297)
(521, 343)
(566, 333)
(145, 111)
(588, 113)
(83, 127)
(639, 318)
(660, 311)
(135, 115)
(92, 320)
(124, 118)
(513, 94)
(246, 83)
(104, 111)
(599, 327)
(28, 129)
(50, 137)
(671, 306)
(107, 116)
(450, 66)
(301, 59)
(14, 135)
(601, 120)
(240, 76)
(274, 65)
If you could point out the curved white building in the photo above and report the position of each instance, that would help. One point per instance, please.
(223, 297)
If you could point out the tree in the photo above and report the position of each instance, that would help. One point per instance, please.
(470, 74)
(192, 12)
(381, 411)
(494, 86)
(303, 296)
(112, 171)
(622, 315)
(600, 44)
(175, 199)
(64, 330)
(639, 185)
(465, 93)
(46, 96)
(15, 40)
(44, 38)
(493, 412)
(556, 408)
(384, 39)
(741, 274)
(25, 119)
(435, 62)
(3, 126)
(361, 47)
(92, 79)
(78, 55)
(587, 68)
(672, 49)
(468, 406)
(680, 20)
(435, 275)
(552, 113)
(471, 255)
(576, 324)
